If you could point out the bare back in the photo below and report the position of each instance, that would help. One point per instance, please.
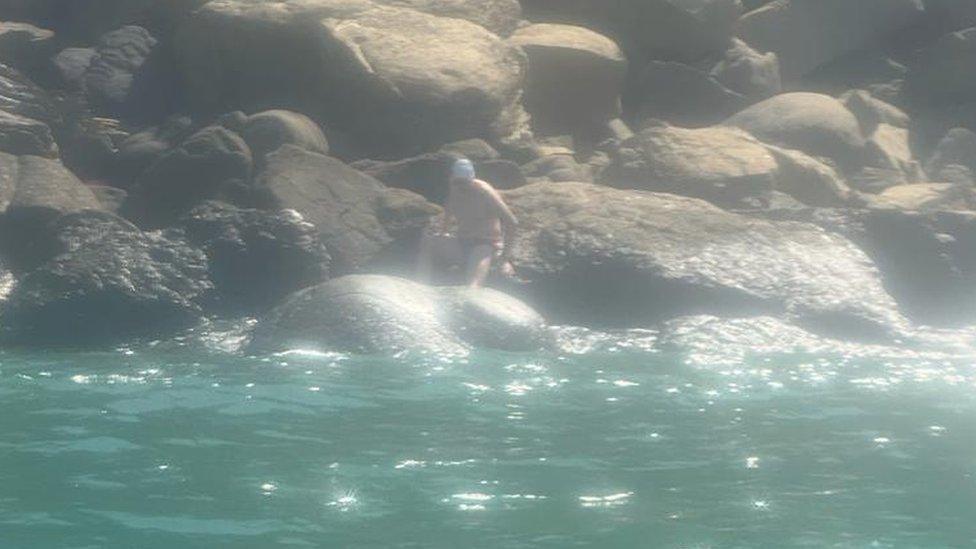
(476, 211)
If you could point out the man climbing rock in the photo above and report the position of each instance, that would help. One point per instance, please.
(484, 228)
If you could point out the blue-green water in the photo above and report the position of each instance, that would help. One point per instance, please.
(164, 449)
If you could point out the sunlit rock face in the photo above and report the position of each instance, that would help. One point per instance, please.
(382, 315)
(397, 80)
(719, 164)
(927, 258)
(814, 123)
(594, 255)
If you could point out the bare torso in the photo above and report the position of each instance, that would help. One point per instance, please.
(475, 211)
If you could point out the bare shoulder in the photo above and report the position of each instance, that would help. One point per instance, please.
(485, 187)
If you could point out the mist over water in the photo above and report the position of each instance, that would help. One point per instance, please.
(617, 445)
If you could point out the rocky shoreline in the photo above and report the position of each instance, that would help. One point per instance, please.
(810, 163)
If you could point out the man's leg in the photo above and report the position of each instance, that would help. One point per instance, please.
(479, 264)
(425, 259)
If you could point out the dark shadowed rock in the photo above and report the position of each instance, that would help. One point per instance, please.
(20, 135)
(89, 148)
(355, 214)
(951, 15)
(748, 72)
(256, 257)
(213, 163)
(596, 255)
(816, 124)
(71, 64)
(958, 147)
(345, 62)
(141, 150)
(942, 72)
(806, 34)
(684, 96)
(266, 132)
(675, 30)
(25, 46)
(119, 58)
(574, 79)
(719, 164)
(385, 315)
(108, 282)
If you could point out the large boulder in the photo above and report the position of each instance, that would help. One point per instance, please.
(384, 315)
(674, 30)
(575, 76)
(719, 164)
(357, 216)
(108, 282)
(813, 123)
(33, 191)
(213, 163)
(595, 255)
(683, 95)
(36, 183)
(499, 16)
(256, 257)
(806, 34)
(266, 132)
(394, 79)
(110, 78)
(748, 72)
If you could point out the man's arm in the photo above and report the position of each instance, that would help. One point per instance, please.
(508, 219)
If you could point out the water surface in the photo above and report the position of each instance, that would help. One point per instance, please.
(155, 448)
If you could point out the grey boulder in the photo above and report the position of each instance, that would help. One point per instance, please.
(376, 314)
(595, 256)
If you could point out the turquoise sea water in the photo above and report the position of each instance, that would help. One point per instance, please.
(152, 448)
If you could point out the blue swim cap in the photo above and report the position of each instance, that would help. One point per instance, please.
(463, 169)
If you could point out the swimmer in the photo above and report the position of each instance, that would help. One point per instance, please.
(485, 228)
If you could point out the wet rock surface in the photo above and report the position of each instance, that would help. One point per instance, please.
(107, 281)
(596, 255)
(382, 315)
